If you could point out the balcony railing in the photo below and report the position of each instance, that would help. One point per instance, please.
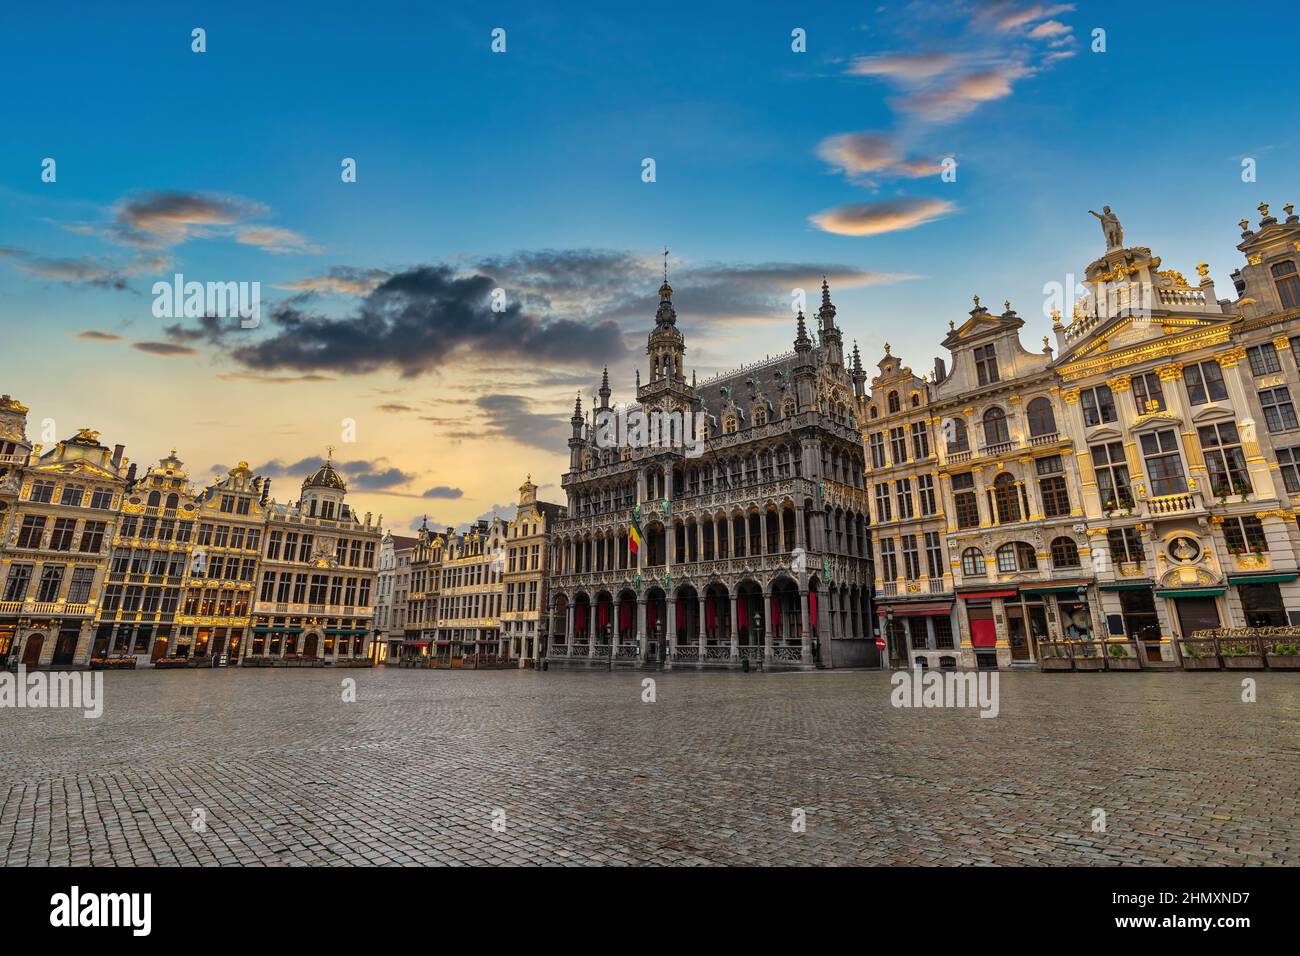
(999, 448)
(1051, 438)
(1173, 504)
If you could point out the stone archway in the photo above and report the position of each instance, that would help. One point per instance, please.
(310, 644)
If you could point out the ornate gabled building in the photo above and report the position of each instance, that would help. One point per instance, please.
(528, 555)
(316, 590)
(223, 569)
(471, 571)
(1005, 479)
(58, 515)
(753, 515)
(397, 555)
(914, 583)
(151, 558)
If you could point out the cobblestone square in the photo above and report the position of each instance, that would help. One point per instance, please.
(574, 769)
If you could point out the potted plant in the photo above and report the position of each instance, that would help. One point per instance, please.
(1241, 653)
(1282, 654)
(1120, 658)
(1200, 655)
(1054, 656)
(1086, 657)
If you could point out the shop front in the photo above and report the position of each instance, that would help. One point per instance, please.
(921, 634)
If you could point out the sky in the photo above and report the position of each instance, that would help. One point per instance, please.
(525, 170)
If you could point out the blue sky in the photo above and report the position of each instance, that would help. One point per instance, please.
(481, 162)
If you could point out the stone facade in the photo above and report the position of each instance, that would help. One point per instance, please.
(1135, 483)
(316, 581)
(59, 512)
(753, 515)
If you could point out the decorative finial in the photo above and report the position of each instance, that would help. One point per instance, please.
(1056, 316)
(1263, 209)
(1289, 209)
(329, 454)
(977, 301)
(1045, 345)
(665, 265)
(1203, 270)
(1006, 304)
(1245, 225)
(952, 325)
(887, 348)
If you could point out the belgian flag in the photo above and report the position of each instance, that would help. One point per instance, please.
(634, 532)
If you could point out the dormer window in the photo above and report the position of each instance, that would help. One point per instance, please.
(986, 364)
(1288, 283)
(893, 402)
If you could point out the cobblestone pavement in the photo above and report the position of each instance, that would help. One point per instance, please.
(712, 773)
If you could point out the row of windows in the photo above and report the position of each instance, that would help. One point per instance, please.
(18, 583)
(287, 587)
(908, 548)
(42, 491)
(63, 534)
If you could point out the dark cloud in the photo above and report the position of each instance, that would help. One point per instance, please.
(416, 321)
(94, 335)
(167, 218)
(360, 474)
(443, 491)
(164, 348)
(509, 416)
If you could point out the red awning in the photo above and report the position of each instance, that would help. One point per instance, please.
(976, 595)
(914, 610)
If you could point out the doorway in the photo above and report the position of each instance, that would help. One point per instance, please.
(1196, 614)
(309, 649)
(65, 649)
(32, 652)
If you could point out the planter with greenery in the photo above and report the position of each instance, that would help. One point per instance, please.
(1200, 655)
(1122, 656)
(1241, 653)
(1282, 654)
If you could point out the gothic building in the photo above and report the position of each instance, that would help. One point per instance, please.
(751, 505)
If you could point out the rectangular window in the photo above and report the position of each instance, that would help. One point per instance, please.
(986, 364)
(898, 445)
(1051, 486)
(934, 554)
(20, 576)
(42, 491)
(883, 512)
(920, 441)
(1112, 476)
(61, 537)
(273, 546)
(888, 560)
(1147, 393)
(1224, 459)
(79, 587)
(911, 558)
(925, 490)
(1164, 465)
(1279, 412)
(1098, 405)
(101, 498)
(965, 500)
(29, 536)
(1263, 359)
(1288, 460)
(1204, 383)
(878, 450)
(903, 491)
(1125, 545)
(72, 495)
(1244, 534)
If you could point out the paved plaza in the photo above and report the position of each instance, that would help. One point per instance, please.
(573, 768)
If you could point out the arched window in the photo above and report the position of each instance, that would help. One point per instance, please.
(760, 416)
(154, 499)
(1288, 283)
(1006, 498)
(958, 437)
(1041, 419)
(972, 563)
(1017, 556)
(893, 402)
(995, 426)
(1065, 553)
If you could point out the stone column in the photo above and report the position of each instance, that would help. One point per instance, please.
(766, 611)
(805, 630)
(699, 626)
(670, 626)
(640, 628)
(735, 629)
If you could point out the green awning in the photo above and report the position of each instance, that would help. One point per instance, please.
(1191, 592)
(1058, 589)
(277, 630)
(1126, 586)
(345, 632)
(1278, 578)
